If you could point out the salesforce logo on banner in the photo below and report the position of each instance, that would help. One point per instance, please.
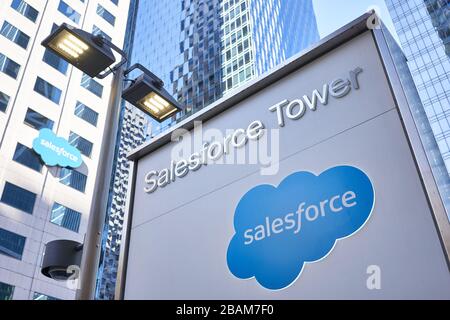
(56, 151)
(279, 229)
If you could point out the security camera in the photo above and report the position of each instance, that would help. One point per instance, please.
(59, 256)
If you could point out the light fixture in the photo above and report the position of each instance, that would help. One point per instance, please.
(94, 55)
(147, 93)
(91, 54)
(157, 106)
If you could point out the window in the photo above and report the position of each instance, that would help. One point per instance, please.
(25, 9)
(66, 10)
(11, 244)
(87, 114)
(4, 100)
(6, 291)
(18, 198)
(15, 35)
(105, 14)
(97, 31)
(65, 217)
(27, 157)
(73, 179)
(40, 296)
(47, 90)
(81, 144)
(9, 67)
(92, 85)
(37, 120)
(54, 61)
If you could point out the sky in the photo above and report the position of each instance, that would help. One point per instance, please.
(333, 14)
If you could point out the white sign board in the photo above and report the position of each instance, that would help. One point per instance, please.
(336, 209)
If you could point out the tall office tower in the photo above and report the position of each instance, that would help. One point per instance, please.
(440, 16)
(200, 49)
(38, 90)
(196, 78)
(260, 34)
(423, 27)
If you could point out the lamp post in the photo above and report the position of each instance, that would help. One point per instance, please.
(94, 56)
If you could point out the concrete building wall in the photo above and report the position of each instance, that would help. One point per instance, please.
(24, 274)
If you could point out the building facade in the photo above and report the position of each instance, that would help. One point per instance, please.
(276, 26)
(258, 35)
(201, 49)
(439, 11)
(423, 27)
(38, 90)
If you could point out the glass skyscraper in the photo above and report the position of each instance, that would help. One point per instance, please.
(201, 49)
(257, 35)
(440, 16)
(423, 27)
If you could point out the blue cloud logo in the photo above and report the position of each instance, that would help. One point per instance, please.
(56, 151)
(278, 230)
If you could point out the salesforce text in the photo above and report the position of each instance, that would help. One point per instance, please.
(294, 110)
(293, 221)
(59, 150)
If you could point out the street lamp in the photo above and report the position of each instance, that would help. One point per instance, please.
(93, 54)
(147, 93)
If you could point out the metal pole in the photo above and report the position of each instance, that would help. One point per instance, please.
(93, 239)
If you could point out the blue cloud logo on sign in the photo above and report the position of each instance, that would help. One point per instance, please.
(56, 151)
(279, 229)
